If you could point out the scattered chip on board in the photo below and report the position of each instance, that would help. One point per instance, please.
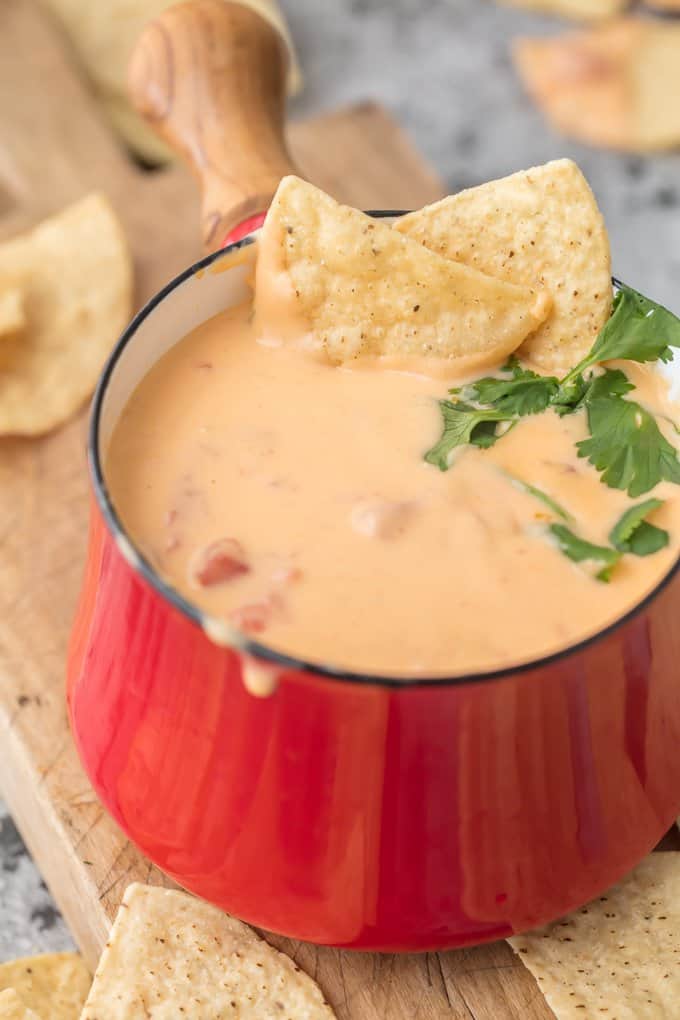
(614, 85)
(54, 985)
(619, 957)
(75, 275)
(180, 956)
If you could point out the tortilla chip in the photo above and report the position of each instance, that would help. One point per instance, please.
(615, 86)
(76, 276)
(54, 985)
(617, 957)
(12, 312)
(364, 289)
(540, 224)
(103, 35)
(584, 10)
(170, 955)
(12, 1008)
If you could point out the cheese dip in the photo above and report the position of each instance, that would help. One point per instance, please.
(291, 497)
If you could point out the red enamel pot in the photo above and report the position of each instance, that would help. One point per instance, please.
(355, 811)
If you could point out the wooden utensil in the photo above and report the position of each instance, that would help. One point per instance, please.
(192, 76)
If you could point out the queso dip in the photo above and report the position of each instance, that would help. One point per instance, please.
(290, 497)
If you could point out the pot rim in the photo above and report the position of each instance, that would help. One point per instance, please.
(144, 568)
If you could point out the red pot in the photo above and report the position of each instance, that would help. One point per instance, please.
(349, 810)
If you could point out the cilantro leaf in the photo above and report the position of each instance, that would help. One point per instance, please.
(463, 424)
(612, 383)
(633, 534)
(525, 392)
(570, 398)
(627, 447)
(639, 329)
(580, 551)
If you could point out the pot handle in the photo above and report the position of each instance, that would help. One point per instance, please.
(210, 77)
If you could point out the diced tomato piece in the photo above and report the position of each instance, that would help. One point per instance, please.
(217, 563)
(253, 619)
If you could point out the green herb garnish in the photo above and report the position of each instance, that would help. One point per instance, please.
(627, 446)
(634, 534)
(524, 393)
(464, 425)
(543, 497)
(639, 330)
(580, 551)
(579, 392)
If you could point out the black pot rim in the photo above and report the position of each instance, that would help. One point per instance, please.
(145, 569)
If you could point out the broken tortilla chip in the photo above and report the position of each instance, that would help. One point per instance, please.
(614, 86)
(12, 312)
(540, 224)
(618, 956)
(75, 273)
(170, 954)
(12, 1008)
(361, 288)
(54, 985)
(584, 10)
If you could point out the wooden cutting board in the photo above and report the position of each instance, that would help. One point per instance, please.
(54, 146)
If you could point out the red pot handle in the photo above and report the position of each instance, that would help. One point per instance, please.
(210, 77)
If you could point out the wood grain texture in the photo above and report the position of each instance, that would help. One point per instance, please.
(53, 148)
(210, 78)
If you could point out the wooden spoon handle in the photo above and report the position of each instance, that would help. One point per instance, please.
(210, 77)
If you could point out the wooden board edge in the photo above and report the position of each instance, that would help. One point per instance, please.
(25, 792)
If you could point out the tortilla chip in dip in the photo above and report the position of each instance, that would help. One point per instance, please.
(614, 86)
(12, 1008)
(585, 10)
(357, 288)
(541, 224)
(75, 276)
(171, 955)
(618, 956)
(54, 985)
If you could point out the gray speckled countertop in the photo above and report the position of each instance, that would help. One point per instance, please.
(443, 68)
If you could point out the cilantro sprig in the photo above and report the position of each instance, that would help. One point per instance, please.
(523, 393)
(634, 534)
(627, 446)
(638, 330)
(464, 425)
(625, 443)
(631, 534)
(580, 551)
(543, 497)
